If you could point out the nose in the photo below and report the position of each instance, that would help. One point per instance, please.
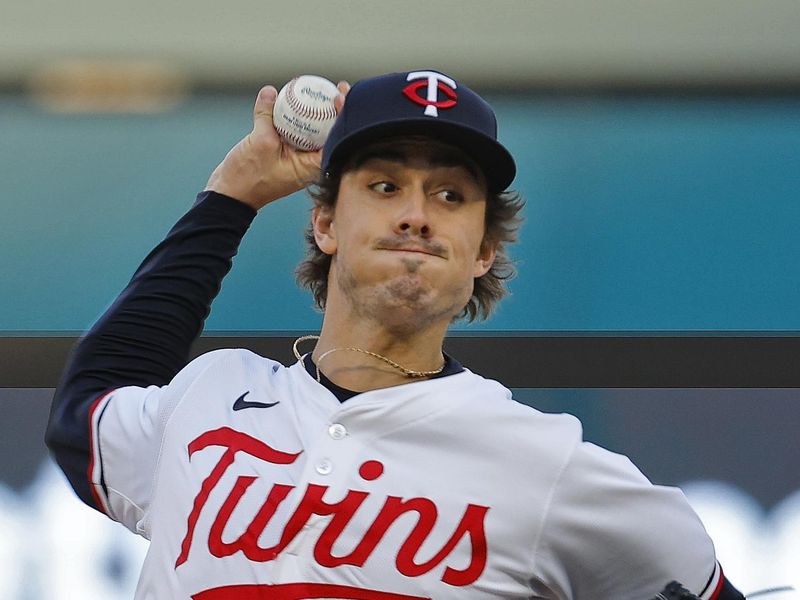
(413, 218)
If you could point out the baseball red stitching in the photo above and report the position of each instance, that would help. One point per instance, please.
(295, 140)
(317, 114)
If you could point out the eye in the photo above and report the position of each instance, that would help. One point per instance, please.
(383, 187)
(451, 196)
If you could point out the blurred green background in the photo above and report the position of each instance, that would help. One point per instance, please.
(644, 213)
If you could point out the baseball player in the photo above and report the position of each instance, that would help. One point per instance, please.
(376, 467)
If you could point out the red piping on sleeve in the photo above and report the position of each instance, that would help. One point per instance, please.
(720, 583)
(92, 487)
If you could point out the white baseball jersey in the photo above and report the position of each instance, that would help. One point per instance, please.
(251, 480)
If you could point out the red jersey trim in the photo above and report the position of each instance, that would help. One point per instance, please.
(298, 591)
(93, 472)
(720, 583)
(714, 585)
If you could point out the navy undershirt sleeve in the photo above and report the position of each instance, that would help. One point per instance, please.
(728, 592)
(145, 337)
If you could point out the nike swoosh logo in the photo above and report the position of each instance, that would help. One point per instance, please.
(241, 403)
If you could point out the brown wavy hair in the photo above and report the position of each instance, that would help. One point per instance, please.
(502, 222)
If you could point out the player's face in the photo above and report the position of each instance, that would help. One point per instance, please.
(407, 232)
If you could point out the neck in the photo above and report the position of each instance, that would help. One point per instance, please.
(419, 350)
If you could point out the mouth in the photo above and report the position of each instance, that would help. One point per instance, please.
(414, 250)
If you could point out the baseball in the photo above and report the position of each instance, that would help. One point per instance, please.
(304, 112)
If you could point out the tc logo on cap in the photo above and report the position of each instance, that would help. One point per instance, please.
(434, 83)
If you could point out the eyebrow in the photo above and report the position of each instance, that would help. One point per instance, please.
(441, 158)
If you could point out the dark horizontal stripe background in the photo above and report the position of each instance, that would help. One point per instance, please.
(534, 360)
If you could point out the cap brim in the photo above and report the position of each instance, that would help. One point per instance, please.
(492, 157)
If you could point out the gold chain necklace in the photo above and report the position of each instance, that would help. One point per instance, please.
(407, 372)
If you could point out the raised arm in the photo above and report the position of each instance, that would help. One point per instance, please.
(145, 336)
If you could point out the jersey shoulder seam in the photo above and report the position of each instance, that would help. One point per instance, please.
(550, 498)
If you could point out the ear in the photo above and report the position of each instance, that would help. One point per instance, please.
(324, 230)
(485, 258)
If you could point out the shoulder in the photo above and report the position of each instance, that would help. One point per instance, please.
(498, 402)
(202, 378)
(526, 432)
(232, 355)
(232, 360)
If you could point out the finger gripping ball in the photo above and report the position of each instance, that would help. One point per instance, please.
(304, 111)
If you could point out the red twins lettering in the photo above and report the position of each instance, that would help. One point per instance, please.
(235, 442)
(471, 525)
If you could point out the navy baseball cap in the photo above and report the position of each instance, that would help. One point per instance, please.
(424, 103)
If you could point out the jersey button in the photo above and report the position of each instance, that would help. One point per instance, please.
(337, 431)
(324, 467)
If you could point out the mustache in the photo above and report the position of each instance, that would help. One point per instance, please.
(405, 242)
